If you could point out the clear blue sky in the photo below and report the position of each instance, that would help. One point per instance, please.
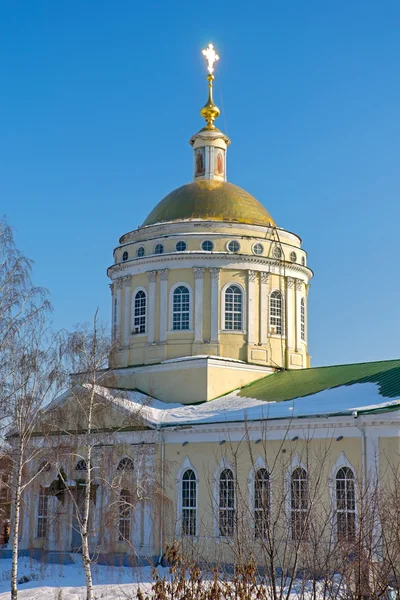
(99, 99)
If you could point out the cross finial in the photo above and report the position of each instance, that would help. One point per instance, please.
(211, 57)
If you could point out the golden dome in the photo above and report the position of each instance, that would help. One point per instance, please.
(210, 200)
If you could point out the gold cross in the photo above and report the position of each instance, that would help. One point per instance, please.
(211, 57)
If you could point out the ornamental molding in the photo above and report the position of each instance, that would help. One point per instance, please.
(118, 283)
(290, 282)
(111, 286)
(152, 276)
(214, 272)
(264, 276)
(199, 272)
(273, 265)
(163, 273)
(127, 280)
(299, 284)
(252, 275)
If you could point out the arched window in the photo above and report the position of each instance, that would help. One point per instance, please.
(233, 308)
(139, 318)
(43, 505)
(189, 502)
(226, 503)
(125, 504)
(81, 465)
(125, 256)
(302, 319)
(181, 308)
(293, 256)
(261, 502)
(345, 504)
(276, 312)
(125, 464)
(299, 503)
(159, 249)
(303, 261)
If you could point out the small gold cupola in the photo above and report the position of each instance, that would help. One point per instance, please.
(210, 144)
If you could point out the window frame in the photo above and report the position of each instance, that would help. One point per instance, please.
(293, 256)
(191, 517)
(282, 316)
(254, 247)
(207, 242)
(229, 511)
(347, 536)
(133, 312)
(159, 245)
(42, 525)
(223, 308)
(121, 466)
(182, 249)
(264, 511)
(230, 242)
(303, 511)
(138, 251)
(125, 516)
(278, 250)
(125, 256)
(171, 308)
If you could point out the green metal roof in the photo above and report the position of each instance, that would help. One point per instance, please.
(291, 384)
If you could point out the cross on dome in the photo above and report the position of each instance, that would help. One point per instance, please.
(211, 57)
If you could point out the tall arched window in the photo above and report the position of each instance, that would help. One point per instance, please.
(189, 502)
(261, 502)
(302, 319)
(43, 505)
(276, 312)
(181, 308)
(124, 528)
(226, 503)
(139, 318)
(234, 308)
(299, 503)
(345, 504)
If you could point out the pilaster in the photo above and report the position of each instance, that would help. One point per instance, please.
(118, 309)
(214, 272)
(251, 293)
(264, 307)
(151, 313)
(163, 304)
(198, 303)
(127, 309)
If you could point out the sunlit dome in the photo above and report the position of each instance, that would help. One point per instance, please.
(210, 200)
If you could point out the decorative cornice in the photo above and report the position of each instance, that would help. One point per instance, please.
(252, 275)
(199, 272)
(127, 281)
(163, 273)
(152, 276)
(214, 272)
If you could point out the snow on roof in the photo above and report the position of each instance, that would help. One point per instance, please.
(342, 400)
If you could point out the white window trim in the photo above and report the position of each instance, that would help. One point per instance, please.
(184, 467)
(207, 240)
(259, 464)
(135, 291)
(171, 307)
(283, 321)
(244, 307)
(184, 242)
(295, 464)
(224, 464)
(342, 461)
(227, 245)
(258, 244)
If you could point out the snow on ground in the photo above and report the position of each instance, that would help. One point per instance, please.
(67, 582)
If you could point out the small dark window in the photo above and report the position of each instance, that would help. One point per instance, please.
(234, 246)
(125, 464)
(159, 249)
(277, 252)
(258, 249)
(125, 256)
(81, 465)
(293, 256)
(181, 246)
(303, 261)
(140, 252)
(207, 245)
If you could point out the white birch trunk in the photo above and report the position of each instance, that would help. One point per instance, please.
(15, 529)
(86, 509)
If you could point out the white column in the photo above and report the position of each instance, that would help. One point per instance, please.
(251, 297)
(198, 303)
(290, 333)
(151, 311)
(163, 303)
(214, 304)
(299, 288)
(127, 309)
(264, 308)
(118, 309)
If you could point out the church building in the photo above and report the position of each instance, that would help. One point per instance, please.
(214, 423)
